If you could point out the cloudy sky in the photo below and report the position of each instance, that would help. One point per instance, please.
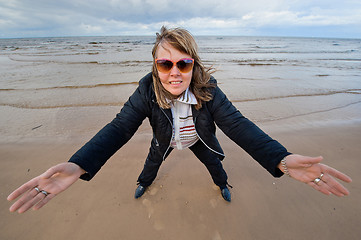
(308, 18)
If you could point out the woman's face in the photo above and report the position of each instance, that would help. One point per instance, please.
(175, 81)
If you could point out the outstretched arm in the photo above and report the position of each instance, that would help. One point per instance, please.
(40, 190)
(311, 171)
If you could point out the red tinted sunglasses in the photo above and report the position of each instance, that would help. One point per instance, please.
(184, 65)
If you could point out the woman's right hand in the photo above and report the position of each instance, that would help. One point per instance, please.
(40, 190)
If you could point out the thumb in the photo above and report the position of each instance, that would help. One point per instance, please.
(53, 170)
(309, 161)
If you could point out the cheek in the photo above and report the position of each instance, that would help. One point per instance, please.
(187, 77)
(163, 77)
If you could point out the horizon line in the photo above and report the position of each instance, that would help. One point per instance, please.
(195, 35)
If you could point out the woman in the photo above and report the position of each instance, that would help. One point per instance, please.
(183, 103)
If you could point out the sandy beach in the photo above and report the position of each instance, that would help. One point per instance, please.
(183, 203)
(43, 122)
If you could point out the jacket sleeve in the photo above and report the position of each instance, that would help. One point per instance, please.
(94, 154)
(265, 150)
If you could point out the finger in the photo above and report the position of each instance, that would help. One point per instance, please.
(319, 188)
(23, 200)
(327, 187)
(23, 188)
(336, 173)
(29, 204)
(335, 187)
(44, 201)
(33, 182)
(338, 193)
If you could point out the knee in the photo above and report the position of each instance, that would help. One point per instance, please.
(212, 161)
(152, 162)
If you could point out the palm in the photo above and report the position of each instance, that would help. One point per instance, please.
(53, 181)
(305, 174)
(59, 181)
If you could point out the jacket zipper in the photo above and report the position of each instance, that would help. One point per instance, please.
(172, 133)
(195, 119)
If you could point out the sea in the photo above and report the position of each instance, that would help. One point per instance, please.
(267, 78)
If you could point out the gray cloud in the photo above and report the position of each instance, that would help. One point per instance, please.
(233, 17)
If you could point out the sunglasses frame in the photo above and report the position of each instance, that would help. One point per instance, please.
(174, 64)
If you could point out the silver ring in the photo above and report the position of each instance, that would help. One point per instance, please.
(317, 180)
(320, 177)
(44, 192)
(37, 189)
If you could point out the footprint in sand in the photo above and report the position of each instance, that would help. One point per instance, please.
(153, 191)
(148, 204)
(157, 224)
(217, 236)
(213, 202)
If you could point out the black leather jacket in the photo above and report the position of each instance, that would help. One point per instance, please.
(142, 104)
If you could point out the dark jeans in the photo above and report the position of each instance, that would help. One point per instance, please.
(206, 156)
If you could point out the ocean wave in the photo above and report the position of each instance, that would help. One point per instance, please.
(70, 87)
(57, 54)
(309, 113)
(341, 59)
(124, 63)
(75, 105)
(35, 105)
(260, 51)
(263, 62)
(347, 91)
(322, 63)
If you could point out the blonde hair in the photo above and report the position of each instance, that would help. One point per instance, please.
(183, 41)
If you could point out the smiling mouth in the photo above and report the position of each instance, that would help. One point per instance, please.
(175, 82)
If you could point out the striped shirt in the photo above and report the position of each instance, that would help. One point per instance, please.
(184, 132)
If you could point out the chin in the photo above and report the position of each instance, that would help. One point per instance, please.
(176, 93)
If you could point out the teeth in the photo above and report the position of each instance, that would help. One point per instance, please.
(175, 82)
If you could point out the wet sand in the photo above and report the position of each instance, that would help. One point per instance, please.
(57, 93)
(182, 203)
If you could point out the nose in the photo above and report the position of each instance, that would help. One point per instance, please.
(174, 70)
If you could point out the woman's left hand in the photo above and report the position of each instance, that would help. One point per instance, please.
(311, 171)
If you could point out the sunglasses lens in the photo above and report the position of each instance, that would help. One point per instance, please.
(164, 65)
(185, 65)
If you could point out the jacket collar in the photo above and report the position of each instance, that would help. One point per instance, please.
(188, 97)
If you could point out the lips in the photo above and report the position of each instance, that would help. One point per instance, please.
(175, 82)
